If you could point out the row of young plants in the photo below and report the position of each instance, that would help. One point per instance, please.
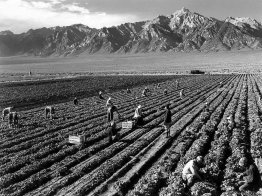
(157, 175)
(38, 133)
(199, 147)
(70, 108)
(215, 159)
(149, 183)
(99, 175)
(83, 127)
(29, 156)
(86, 103)
(255, 119)
(17, 149)
(218, 152)
(239, 144)
(84, 163)
(54, 140)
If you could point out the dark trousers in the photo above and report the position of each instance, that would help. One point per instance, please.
(139, 121)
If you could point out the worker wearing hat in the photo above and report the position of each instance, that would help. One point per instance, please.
(111, 108)
(191, 171)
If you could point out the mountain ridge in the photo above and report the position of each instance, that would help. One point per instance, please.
(182, 31)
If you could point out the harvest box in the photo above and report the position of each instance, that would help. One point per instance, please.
(77, 139)
(128, 124)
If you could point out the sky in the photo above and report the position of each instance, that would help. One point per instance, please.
(21, 15)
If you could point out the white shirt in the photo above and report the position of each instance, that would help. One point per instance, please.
(109, 103)
(189, 168)
(138, 112)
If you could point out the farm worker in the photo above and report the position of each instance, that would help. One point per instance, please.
(177, 84)
(250, 176)
(15, 119)
(138, 117)
(6, 111)
(10, 119)
(206, 107)
(191, 171)
(75, 101)
(109, 102)
(181, 94)
(110, 113)
(146, 89)
(128, 90)
(220, 84)
(112, 131)
(230, 122)
(165, 92)
(100, 95)
(144, 94)
(49, 110)
(167, 120)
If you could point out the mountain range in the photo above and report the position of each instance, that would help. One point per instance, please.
(183, 31)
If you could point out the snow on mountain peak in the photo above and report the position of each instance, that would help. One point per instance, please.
(185, 18)
(240, 21)
(181, 12)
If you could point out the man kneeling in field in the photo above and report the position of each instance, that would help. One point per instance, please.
(191, 171)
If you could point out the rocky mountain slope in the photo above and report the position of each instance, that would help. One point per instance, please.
(182, 31)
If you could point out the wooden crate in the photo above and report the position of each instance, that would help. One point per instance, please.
(77, 139)
(128, 124)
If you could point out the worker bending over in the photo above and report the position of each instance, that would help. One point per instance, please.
(144, 93)
(250, 176)
(100, 95)
(191, 171)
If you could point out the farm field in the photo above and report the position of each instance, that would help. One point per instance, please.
(28, 94)
(36, 159)
(17, 68)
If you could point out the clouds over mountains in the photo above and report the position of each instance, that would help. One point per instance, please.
(21, 15)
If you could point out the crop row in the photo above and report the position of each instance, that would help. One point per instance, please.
(84, 163)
